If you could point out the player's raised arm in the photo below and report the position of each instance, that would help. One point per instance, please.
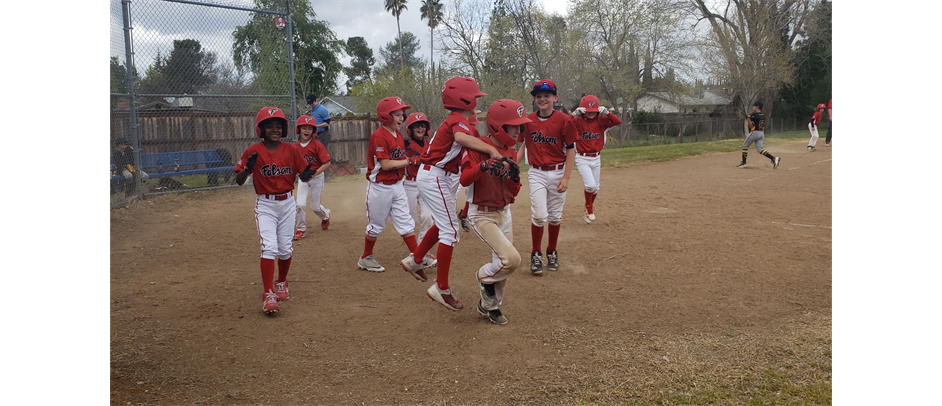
(471, 142)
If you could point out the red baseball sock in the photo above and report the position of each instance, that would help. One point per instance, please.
(588, 198)
(444, 262)
(268, 274)
(536, 235)
(431, 237)
(553, 237)
(410, 242)
(464, 211)
(594, 195)
(283, 265)
(368, 247)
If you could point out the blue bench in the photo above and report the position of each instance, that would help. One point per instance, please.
(182, 163)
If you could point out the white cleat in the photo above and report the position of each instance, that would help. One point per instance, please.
(370, 264)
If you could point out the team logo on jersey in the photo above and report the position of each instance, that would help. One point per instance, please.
(379, 149)
(589, 135)
(520, 111)
(538, 137)
(272, 111)
(397, 153)
(463, 126)
(274, 170)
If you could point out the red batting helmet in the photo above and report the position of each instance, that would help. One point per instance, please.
(461, 93)
(417, 118)
(388, 105)
(821, 106)
(543, 85)
(267, 113)
(505, 112)
(303, 120)
(590, 103)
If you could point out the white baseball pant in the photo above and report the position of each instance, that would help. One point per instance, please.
(438, 189)
(546, 204)
(814, 135)
(589, 168)
(314, 188)
(417, 207)
(387, 202)
(495, 228)
(275, 222)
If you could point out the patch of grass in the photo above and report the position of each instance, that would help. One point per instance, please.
(619, 157)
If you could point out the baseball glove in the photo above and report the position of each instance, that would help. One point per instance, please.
(250, 163)
(307, 173)
(513, 171)
(492, 166)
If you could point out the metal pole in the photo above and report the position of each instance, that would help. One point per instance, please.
(290, 37)
(133, 124)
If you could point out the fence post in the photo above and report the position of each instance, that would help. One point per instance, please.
(134, 127)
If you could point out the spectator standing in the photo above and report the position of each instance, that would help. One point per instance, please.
(322, 117)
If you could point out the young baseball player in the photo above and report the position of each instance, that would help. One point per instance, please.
(438, 183)
(813, 126)
(463, 214)
(490, 191)
(417, 126)
(385, 196)
(549, 147)
(757, 134)
(273, 165)
(591, 122)
(316, 154)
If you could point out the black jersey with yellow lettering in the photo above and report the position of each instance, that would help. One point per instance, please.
(758, 121)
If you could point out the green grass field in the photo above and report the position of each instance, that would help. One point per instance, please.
(613, 157)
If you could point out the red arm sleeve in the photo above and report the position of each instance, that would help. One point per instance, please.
(470, 171)
(614, 120)
(515, 188)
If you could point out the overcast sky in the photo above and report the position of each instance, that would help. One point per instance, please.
(157, 23)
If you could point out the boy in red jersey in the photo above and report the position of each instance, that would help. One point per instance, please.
(813, 126)
(273, 166)
(316, 154)
(591, 121)
(489, 198)
(438, 183)
(549, 147)
(385, 196)
(417, 126)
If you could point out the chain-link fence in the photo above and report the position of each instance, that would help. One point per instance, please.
(187, 77)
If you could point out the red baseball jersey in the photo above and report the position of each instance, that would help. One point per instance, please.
(273, 173)
(413, 148)
(385, 145)
(314, 153)
(830, 110)
(546, 139)
(488, 190)
(592, 132)
(816, 118)
(442, 150)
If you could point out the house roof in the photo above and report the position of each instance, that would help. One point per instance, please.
(339, 105)
(707, 98)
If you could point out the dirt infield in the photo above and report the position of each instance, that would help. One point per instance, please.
(699, 283)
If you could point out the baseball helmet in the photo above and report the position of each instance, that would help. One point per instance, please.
(821, 106)
(758, 104)
(417, 118)
(590, 103)
(505, 112)
(388, 105)
(543, 85)
(268, 113)
(461, 93)
(303, 120)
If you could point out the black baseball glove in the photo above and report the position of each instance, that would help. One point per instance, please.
(307, 173)
(250, 163)
(513, 170)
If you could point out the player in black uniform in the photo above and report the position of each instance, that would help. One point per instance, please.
(757, 125)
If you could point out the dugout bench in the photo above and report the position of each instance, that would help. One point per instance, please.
(163, 164)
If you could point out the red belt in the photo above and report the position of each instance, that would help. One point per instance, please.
(590, 154)
(283, 196)
(489, 208)
(550, 167)
(390, 182)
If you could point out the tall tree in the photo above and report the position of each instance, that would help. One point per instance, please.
(464, 34)
(409, 46)
(361, 64)
(262, 49)
(752, 43)
(432, 11)
(188, 70)
(812, 83)
(395, 7)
